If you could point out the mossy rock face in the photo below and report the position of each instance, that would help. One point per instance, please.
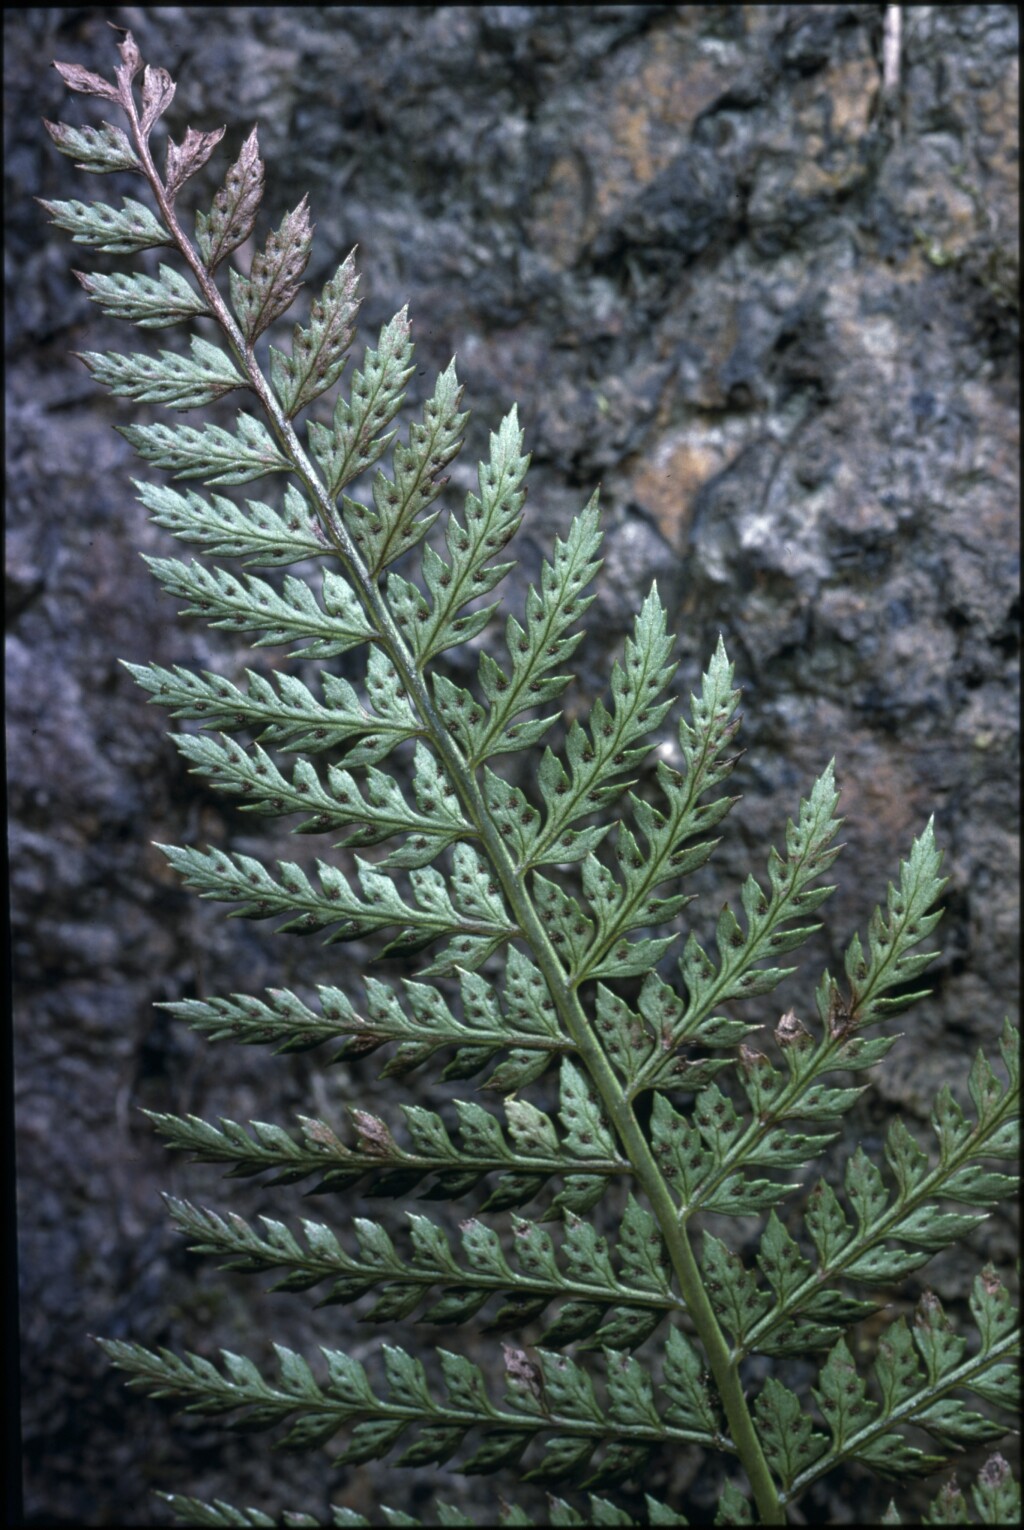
(686, 240)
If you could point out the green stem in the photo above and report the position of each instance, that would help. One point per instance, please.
(724, 1367)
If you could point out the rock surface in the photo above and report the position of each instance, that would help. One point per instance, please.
(773, 315)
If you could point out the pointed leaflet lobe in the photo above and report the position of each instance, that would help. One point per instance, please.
(212, 454)
(391, 527)
(150, 302)
(318, 353)
(114, 232)
(97, 150)
(422, 1025)
(275, 277)
(230, 221)
(376, 395)
(177, 381)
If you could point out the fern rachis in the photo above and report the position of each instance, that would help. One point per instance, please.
(541, 917)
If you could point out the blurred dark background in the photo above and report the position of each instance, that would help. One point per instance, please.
(774, 316)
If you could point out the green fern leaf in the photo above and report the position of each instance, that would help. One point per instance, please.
(790, 1438)
(148, 301)
(536, 649)
(259, 535)
(252, 605)
(212, 454)
(377, 394)
(293, 719)
(111, 231)
(491, 518)
(273, 283)
(318, 353)
(98, 150)
(173, 380)
(184, 159)
(230, 221)
(396, 522)
(543, 937)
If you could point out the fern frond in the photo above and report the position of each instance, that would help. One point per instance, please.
(995, 1496)
(707, 984)
(96, 150)
(360, 436)
(924, 1396)
(600, 1511)
(579, 1275)
(397, 522)
(891, 936)
(250, 604)
(623, 907)
(290, 717)
(110, 230)
(383, 813)
(520, 1022)
(212, 454)
(176, 381)
(471, 916)
(912, 1216)
(708, 1174)
(216, 1513)
(274, 278)
(551, 928)
(491, 519)
(533, 651)
(550, 1397)
(148, 301)
(606, 748)
(259, 536)
(230, 220)
(318, 353)
(583, 1153)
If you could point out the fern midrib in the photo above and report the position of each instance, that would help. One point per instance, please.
(463, 1418)
(722, 1364)
(334, 1159)
(962, 1376)
(458, 1275)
